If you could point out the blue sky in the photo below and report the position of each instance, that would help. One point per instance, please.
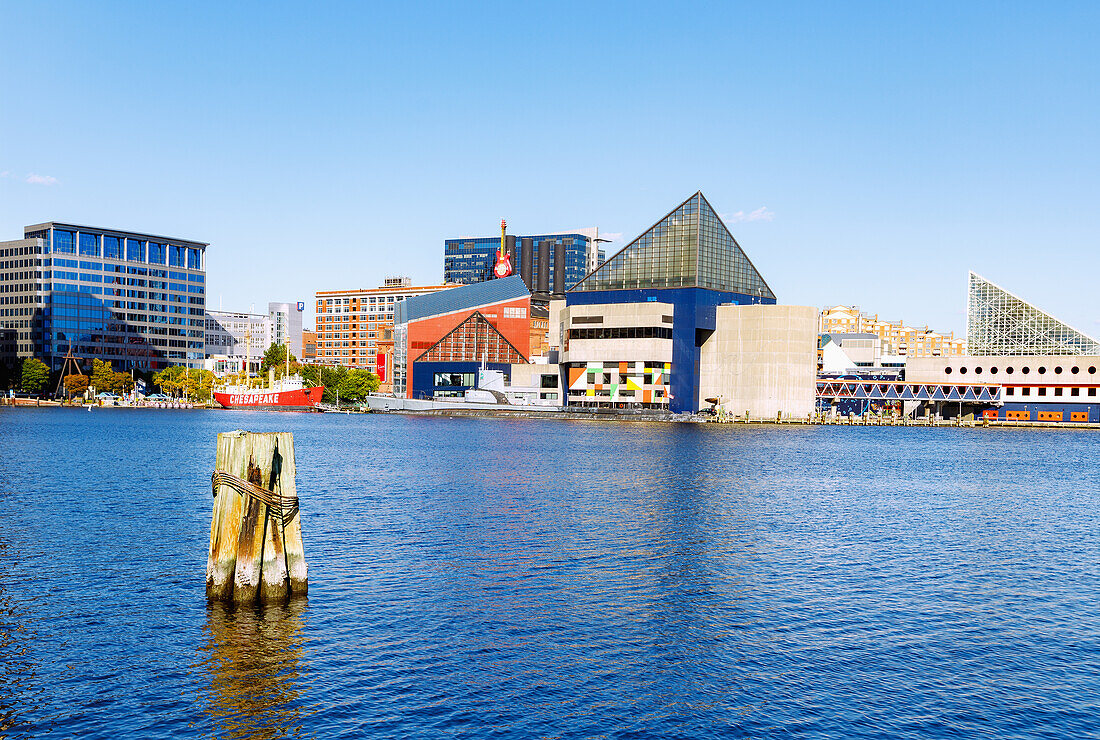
(875, 152)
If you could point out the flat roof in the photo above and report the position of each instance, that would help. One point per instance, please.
(121, 232)
(386, 289)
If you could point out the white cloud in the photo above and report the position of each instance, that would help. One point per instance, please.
(34, 179)
(760, 214)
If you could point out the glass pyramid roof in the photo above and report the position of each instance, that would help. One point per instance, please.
(688, 248)
(999, 323)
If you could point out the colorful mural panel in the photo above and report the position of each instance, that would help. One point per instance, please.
(620, 382)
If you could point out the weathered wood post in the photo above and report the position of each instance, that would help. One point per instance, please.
(256, 551)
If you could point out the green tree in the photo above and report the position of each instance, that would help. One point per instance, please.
(195, 384)
(198, 384)
(76, 385)
(170, 380)
(35, 375)
(357, 385)
(275, 357)
(103, 376)
(122, 383)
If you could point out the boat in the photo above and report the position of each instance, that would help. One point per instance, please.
(285, 394)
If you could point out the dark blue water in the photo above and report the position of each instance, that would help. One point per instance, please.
(484, 578)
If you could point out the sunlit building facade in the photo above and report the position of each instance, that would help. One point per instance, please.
(355, 327)
(1047, 371)
(442, 340)
(137, 300)
(644, 328)
(237, 340)
(896, 337)
(548, 263)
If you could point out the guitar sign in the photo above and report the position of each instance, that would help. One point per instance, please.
(503, 266)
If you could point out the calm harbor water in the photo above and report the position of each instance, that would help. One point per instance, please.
(494, 578)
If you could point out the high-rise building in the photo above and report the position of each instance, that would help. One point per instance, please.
(137, 300)
(1000, 323)
(355, 327)
(549, 264)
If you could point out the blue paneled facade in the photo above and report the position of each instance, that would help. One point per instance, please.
(693, 320)
(108, 294)
(449, 379)
(470, 259)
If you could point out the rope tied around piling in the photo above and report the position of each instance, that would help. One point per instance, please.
(283, 508)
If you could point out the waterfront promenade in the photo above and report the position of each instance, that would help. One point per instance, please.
(517, 578)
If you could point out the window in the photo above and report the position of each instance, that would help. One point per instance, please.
(63, 242)
(1025, 391)
(194, 258)
(89, 244)
(158, 253)
(135, 250)
(112, 247)
(1075, 391)
(1057, 391)
(453, 380)
(1092, 391)
(175, 256)
(1010, 391)
(1042, 391)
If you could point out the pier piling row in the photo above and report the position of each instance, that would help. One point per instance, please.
(256, 552)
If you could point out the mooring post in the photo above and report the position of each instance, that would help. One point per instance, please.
(225, 523)
(256, 549)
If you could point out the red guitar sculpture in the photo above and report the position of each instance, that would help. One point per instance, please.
(503, 266)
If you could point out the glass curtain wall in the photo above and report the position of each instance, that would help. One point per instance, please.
(1000, 323)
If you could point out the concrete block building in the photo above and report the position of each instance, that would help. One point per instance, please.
(760, 360)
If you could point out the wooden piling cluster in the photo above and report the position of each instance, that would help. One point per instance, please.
(256, 552)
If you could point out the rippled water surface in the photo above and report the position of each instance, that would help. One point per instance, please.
(490, 578)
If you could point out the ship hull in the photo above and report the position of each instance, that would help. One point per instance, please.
(302, 399)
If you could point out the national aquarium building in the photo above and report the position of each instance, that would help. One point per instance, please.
(679, 316)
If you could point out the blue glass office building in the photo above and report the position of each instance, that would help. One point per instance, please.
(548, 263)
(690, 260)
(137, 300)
